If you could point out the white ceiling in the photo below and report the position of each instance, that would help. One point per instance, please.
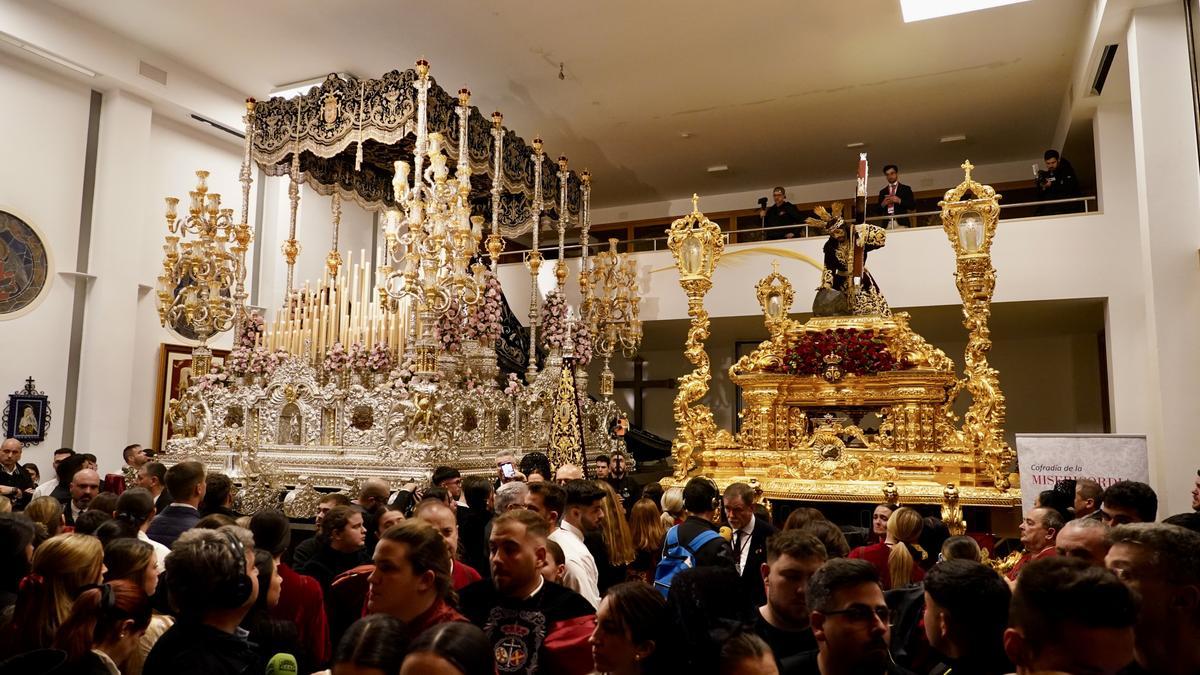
(774, 89)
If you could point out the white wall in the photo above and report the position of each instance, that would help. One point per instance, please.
(314, 230)
(45, 120)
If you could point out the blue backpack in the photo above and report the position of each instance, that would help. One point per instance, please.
(679, 557)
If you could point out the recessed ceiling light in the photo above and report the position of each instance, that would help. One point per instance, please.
(953, 139)
(855, 144)
(685, 134)
(718, 168)
(920, 10)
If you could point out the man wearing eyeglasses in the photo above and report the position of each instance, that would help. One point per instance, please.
(781, 213)
(850, 621)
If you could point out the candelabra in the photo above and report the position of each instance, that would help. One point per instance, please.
(614, 308)
(696, 244)
(439, 234)
(198, 287)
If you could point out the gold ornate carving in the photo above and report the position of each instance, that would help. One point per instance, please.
(952, 513)
(847, 436)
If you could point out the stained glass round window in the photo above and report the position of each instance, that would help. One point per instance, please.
(24, 266)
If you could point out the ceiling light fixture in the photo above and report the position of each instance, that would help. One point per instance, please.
(855, 144)
(920, 10)
(953, 139)
(49, 56)
(718, 168)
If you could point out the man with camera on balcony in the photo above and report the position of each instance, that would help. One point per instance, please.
(779, 215)
(1057, 181)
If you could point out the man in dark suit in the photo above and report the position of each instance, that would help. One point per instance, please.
(186, 483)
(15, 483)
(750, 534)
(84, 487)
(153, 477)
(896, 197)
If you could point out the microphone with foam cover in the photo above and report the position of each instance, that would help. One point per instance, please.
(282, 664)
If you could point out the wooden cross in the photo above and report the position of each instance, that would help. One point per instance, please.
(638, 385)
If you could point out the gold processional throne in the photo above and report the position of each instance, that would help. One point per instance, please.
(853, 407)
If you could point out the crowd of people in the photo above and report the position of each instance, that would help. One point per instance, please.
(575, 571)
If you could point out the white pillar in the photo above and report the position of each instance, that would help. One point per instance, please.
(1168, 218)
(110, 317)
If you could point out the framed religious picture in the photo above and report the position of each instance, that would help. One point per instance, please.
(174, 377)
(27, 415)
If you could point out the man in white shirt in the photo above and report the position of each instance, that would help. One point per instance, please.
(549, 501)
(47, 486)
(584, 512)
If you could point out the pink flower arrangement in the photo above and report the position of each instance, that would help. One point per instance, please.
(380, 358)
(554, 320)
(261, 362)
(252, 329)
(336, 358)
(217, 378)
(513, 386)
(583, 344)
(358, 356)
(449, 330)
(483, 324)
(240, 360)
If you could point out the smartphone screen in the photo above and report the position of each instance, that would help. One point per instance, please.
(507, 469)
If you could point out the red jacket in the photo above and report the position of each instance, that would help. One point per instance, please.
(440, 612)
(463, 575)
(1030, 557)
(301, 601)
(877, 555)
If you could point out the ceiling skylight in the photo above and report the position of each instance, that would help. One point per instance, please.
(919, 10)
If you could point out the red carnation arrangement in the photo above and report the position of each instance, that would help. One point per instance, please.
(861, 352)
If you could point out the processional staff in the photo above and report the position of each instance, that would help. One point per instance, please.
(855, 251)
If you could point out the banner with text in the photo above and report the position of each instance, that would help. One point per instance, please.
(1044, 459)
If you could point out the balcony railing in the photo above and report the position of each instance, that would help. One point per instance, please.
(917, 221)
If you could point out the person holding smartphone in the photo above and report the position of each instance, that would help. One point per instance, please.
(1058, 181)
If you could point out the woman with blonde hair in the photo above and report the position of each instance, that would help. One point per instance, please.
(896, 557)
(672, 507)
(647, 530)
(47, 512)
(618, 543)
(63, 566)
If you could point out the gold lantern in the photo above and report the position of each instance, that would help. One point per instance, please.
(697, 244)
(970, 212)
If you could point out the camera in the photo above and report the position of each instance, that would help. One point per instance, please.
(762, 202)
